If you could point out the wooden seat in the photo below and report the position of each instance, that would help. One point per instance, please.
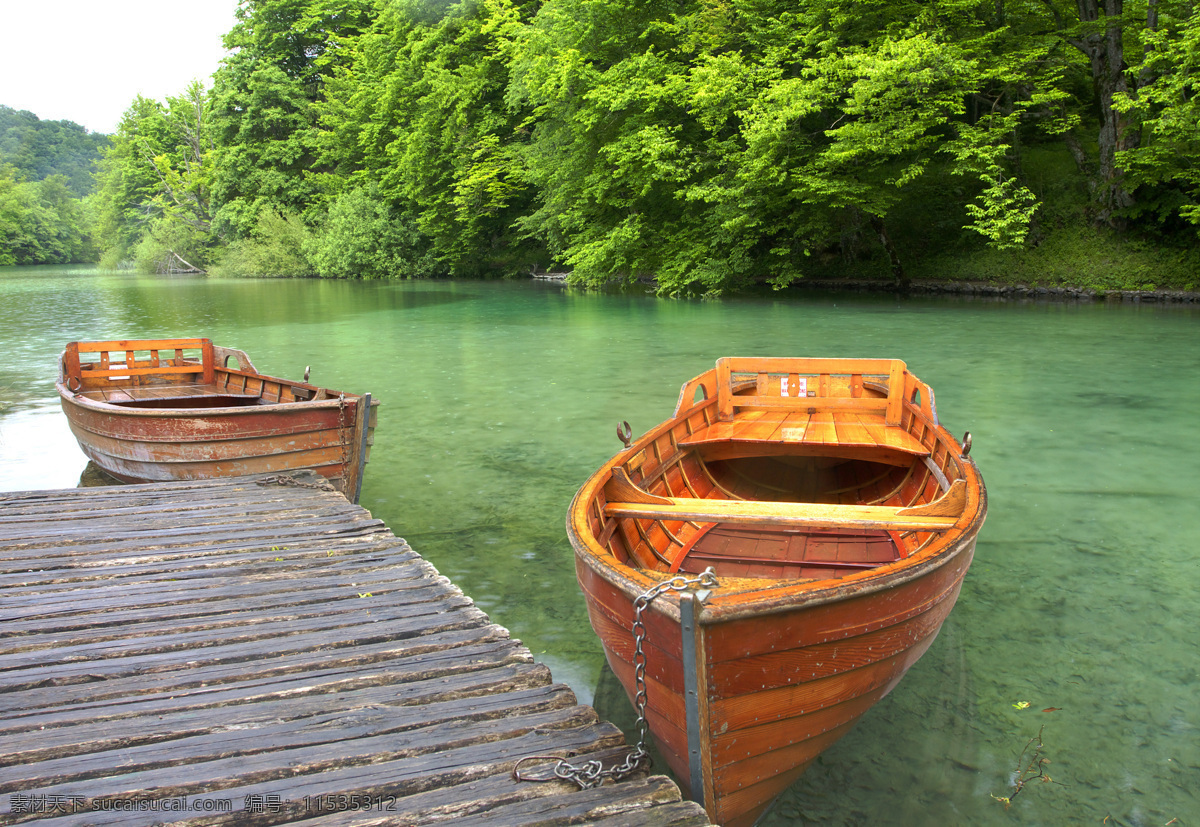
(806, 515)
(809, 385)
(629, 500)
(171, 396)
(825, 406)
(823, 428)
(119, 361)
(778, 553)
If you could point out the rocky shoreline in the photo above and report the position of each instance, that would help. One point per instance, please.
(1007, 291)
(977, 290)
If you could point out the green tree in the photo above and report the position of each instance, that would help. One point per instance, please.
(38, 149)
(708, 143)
(362, 238)
(41, 222)
(1165, 164)
(420, 109)
(263, 94)
(276, 248)
(1104, 53)
(154, 200)
(128, 181)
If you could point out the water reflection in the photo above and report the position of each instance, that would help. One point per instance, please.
(93, 477)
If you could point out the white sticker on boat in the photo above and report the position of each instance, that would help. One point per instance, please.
(800, 387)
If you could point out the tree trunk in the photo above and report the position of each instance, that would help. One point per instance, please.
(1077, 152)
(1103, 48)
(898, 273)
(188, 267)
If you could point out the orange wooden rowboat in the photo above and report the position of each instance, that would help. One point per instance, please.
(151, 410)
(838, 518)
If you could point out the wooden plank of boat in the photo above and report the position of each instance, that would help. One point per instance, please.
(839, 519)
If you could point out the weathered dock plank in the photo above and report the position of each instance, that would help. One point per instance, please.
(255, 651)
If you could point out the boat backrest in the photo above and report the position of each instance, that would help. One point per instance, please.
(811, 384)
(130, 358)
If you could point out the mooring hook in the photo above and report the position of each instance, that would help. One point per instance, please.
(966, 444)
(77, 386)
(516, 771)
(625, 433)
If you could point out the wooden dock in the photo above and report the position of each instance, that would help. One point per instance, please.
(260, 651)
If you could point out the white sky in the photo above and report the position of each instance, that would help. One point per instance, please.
(86, 60)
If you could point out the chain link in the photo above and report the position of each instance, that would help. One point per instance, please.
(284, 479)
(593, 773)
(344, 439)
(706, 579)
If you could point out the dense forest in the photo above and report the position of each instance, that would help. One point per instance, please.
(703, 145)
(46, 170)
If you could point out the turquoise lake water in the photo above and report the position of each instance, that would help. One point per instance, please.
(498, 400)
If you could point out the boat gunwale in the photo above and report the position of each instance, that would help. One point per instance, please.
(739, 598)
(333, 401)
(207, 364)
(769, 597)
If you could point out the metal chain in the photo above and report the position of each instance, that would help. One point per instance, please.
(593, 773)
(284, 479)
(707, 579)
(344, 439)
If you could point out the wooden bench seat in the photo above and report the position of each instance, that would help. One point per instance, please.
(800, 515)
(133, 362)
(823, 428)
(824, 406)
(627, 499)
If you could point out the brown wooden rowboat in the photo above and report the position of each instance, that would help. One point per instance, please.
(838, 519)
(151, 410)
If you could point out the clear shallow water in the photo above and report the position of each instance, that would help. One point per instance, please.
(500, 398)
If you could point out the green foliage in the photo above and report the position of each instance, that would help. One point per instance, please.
(264, 105)
(1081, 256)
(1004, 210)
(712, 143)
(46, 168)
(418, 107)
(276, 248)
(166, 246)
(1166, 166)
(699, 145)
(42, 222)
(632, 183)
(715, 142)
(267, 139)
(38, 149)
(155, 183)
(362, 238)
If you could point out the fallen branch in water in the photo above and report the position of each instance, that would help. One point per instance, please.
(189, 267)
(1026, 772)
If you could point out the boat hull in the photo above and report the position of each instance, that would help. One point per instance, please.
(747, 682)
(782, 686)
(151, 446)
(224, 422)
